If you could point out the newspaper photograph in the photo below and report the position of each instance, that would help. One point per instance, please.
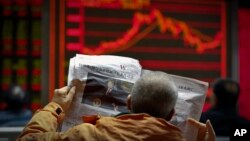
(107, 93)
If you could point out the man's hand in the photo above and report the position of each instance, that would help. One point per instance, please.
(205, 131)
(64, 96)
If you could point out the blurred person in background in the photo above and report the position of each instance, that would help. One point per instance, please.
(15, 114)
(223, 114)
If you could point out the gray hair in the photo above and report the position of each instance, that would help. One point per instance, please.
(154, 94)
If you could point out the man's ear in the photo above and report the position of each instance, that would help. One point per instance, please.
(170, 115)
(129, 102)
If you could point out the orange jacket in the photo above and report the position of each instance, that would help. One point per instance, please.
(127, 127)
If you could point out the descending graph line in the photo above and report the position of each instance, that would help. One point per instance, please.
(190, 36)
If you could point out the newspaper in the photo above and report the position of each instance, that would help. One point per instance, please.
(104, 82)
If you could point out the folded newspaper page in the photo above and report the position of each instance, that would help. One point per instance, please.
(104, 82)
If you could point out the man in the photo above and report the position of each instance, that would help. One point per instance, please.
(223, 114)
(15, 113)
(151, 102)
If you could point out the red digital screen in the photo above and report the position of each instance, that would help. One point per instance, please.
(177, 37)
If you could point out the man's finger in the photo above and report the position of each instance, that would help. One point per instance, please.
(56, 91)
(200, 126)
(210, 131)
(64, 89)
(72, 92)
(196, 123)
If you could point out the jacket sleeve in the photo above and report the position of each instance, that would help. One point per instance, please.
(44, 124)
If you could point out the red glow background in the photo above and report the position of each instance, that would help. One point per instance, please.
(244, 50)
